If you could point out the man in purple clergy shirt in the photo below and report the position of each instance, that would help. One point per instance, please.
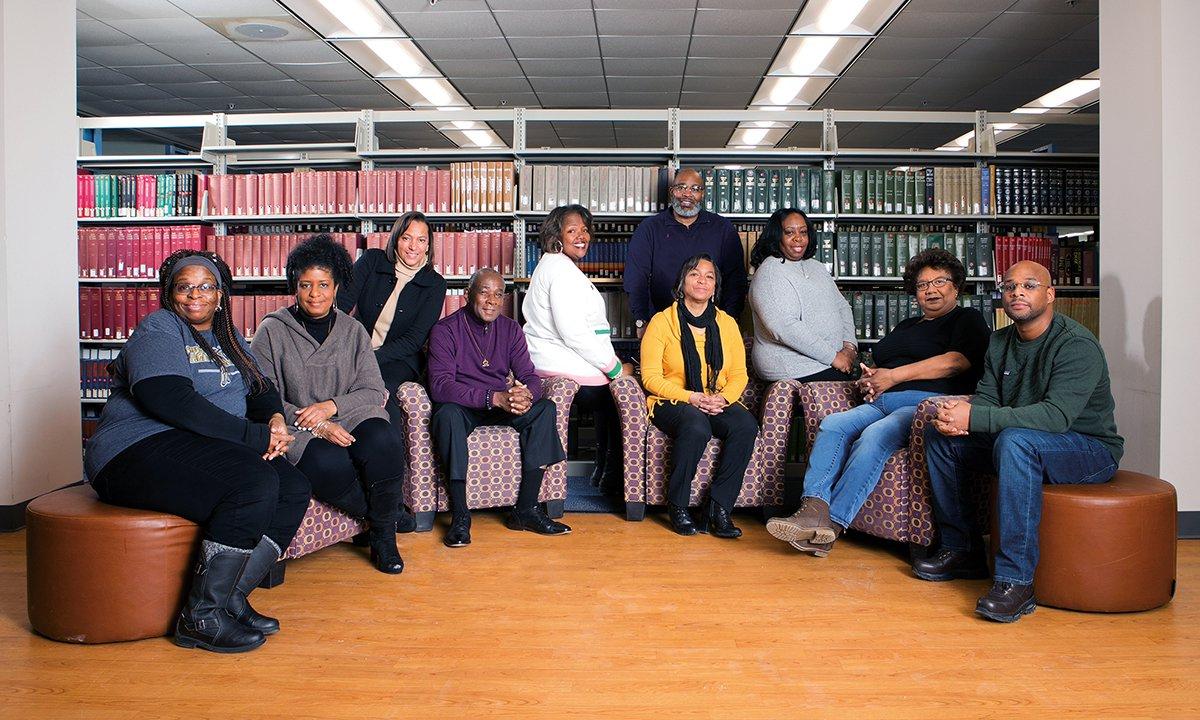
(662, 242)
(473, 353)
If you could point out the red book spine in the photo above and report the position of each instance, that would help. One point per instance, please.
(508, 246)
(107, 313)
(443, 193)
(390, 190)
(119, 294)
(143, 304)
(85, 315)
(474, 242)
(110, 253)
(431, 191)
(419, 188)
(329, 180)
(404, 189)
(96, 313)
(495, 252)
(461, 240)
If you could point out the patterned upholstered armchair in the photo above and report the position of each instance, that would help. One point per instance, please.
(322, 526)
(647, 449)
(899, 508)
(494, 472)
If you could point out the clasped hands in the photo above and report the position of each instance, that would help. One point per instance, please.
(874, 382)
(953, 417)
(709, 404)
(845, 358)
(281, 439)
(516, 400)
(315, 419)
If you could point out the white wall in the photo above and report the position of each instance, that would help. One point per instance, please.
(1149, 261)
(39, 367)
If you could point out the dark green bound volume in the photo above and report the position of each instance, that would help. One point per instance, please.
(843, 254)
(735, 191)
(787, 188)
(710, 195)
(722, 192)
(847, 193)
(860, 188)
(889, 254)
(877, 249)
(772, 200)
(749, 189)
(871, 200)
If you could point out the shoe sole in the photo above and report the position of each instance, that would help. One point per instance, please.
(1026, 609)
(792, 532)
(956, 575)
(513, 526)
(810, 548)
(190, 644)
(456, 545)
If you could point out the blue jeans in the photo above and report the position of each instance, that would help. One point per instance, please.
(852, 448)
(1023, 459)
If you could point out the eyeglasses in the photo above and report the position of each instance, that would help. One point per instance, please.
(680, 188)
(938, 283)
(1009, 287)
(187, 288)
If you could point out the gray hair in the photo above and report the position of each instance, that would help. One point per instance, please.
(478, 276)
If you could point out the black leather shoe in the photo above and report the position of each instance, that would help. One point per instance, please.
(260, 562)
(459, 534)
(536, 520)
(947, 564)
(1006, 602)
(681, 520)
(715, 521)
(205, 622)
(384, 554)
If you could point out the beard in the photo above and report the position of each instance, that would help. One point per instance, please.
(684, 212)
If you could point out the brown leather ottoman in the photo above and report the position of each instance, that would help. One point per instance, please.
(1109, 547)
(99, 573)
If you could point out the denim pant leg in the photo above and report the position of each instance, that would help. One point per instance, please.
(834, 438)
(949, 459)
(1024, 460)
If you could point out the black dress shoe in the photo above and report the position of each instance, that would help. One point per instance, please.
(459, 534)
(384, 554)
(681, 520)
(947, 564)
(1006, 602)
(536, 520)
(715, 521)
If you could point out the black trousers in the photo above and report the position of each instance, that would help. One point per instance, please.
(364, 480)
(691, 429)
(396, 419)
(452, 424)
(598, 400)
(228, 488)
(826, 374)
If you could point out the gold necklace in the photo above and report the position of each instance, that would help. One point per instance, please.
(483, 361)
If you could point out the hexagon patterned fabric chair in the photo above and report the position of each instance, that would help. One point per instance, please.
(899, 508)
(494, 470)
(647, 449)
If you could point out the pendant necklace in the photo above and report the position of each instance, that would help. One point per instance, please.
(482, 358)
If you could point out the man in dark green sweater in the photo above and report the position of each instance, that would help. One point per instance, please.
(1043, 412)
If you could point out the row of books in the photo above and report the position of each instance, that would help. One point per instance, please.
(767, 189)
(111, 313)
(94, 381)
(1046, 191)
(171, 194)
(599, 188)
(134, 252)
(885, 253)
(877, 313)
(265, 256)
(917, 191)
(459, 254)
(1069, 263)
(1084, 310)
(604, 259)
(247, 311)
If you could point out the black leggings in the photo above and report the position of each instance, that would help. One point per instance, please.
(355, 478)
(828, 374)
(228, 488)
(598, 400)
(691, 429)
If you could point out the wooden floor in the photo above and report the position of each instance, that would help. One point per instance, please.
(622, 620)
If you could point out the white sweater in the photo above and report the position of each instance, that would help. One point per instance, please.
(566, 326)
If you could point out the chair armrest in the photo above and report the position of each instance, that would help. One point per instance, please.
(634, 418)
(561, 391)
(420, 488)
(821, 399)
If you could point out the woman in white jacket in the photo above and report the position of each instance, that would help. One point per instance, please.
(567, 330)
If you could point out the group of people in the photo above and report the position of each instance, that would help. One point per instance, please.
(238, 436)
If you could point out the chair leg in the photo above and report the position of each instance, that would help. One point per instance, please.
(635, 511)
(424, 521)
(770, 511)
(554, 508)
(274, 578)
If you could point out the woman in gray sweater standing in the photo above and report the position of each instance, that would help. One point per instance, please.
(803, 327)
(333, 394)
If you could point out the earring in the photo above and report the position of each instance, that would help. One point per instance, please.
(556, 246)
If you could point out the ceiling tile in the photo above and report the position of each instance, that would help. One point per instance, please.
(128, 9)
(127, 55)
(298, 51)
(93, 33)
(231, 8)
(86, 77)
(498, 85)
(648, 66)
(871, 67)
(538, 5)
(994, 49)
(1073, 51)
(129, 92)
(913, 24)
(378, 101)
(729, 67)
(221, 52)
(803, 135)
(168, 30)
(482, 49)
(582, 84)
(665, 46)
(502, 99)
(1030, 26)
(1080, 7)
(981, 71)
(433, 24)
(240, 71)
(643, 22)
(167, 74)
(645, 100)
(563, 68)
(640, 4)
(838, 100)
(715, 99)
(276, 88)
(574, 99)
(169, 106)
(700, 83)
(620, 83)
(909, 49)
(870, 135)
(706, 134)
(298, 102)
(341, 70)
(555, 47)
(743, 21)
(365, 86)
(455, 69)
(546, 22)
(734, 46)
(210, 89)
(880, 87)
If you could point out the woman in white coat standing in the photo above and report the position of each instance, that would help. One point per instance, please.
(567, 330)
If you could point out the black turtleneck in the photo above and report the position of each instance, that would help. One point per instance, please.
(318, 328)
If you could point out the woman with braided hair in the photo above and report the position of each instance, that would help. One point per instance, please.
(194, 428)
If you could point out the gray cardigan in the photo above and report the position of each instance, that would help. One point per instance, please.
(342, 369)
(800, 319)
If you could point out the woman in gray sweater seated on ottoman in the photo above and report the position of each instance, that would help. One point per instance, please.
(321, 360)
(803, 328)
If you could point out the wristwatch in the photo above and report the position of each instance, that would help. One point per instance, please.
(639, 323)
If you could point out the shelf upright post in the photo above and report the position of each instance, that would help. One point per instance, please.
(518, 131)
(985, 134)
(829, 139)
(365, 140)
(216, 134)
(518, 227)
(674, 140)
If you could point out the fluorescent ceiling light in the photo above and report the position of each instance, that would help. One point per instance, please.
(754, 136)
(1032, 110)
(431, 90)
(396, 56)
(809, 55)
(837, 16)
(1067, 93)
(844, 17)
(786, 89)
(355, 16)
(482, 138)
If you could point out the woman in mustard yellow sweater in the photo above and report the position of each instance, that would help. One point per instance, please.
(694, 370)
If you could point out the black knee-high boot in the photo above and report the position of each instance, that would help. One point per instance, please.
(383, 500)
(205, 621)
(262, 559)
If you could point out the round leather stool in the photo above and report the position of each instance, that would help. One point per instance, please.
(100, 573)
(1107, 547)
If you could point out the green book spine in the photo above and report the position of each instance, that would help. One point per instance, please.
(894, 316)
(773, 191)
(847, 191)
(860, 200)
(802, 192)
(858, 306)
(735, 191)
(787, 188)
(960, 248)
(825, 197)
(889, 254)
(762, 190)
(889, 192)
(749, 183)
(856, 268)
(871, 200)
(827, 250)
(983, 256)
(843, 254)
(879, 191)
(722, 199)
(710, 195)
(914, 200)
(877, 244)
(935, 240)
(972, 264)
(901, 252)
(881, 317)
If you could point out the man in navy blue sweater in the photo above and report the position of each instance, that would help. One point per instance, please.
(662, 242)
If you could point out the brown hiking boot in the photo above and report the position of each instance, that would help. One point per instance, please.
(818, 549)
(810, 522)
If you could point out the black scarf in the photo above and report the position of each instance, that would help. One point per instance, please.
(713, 356)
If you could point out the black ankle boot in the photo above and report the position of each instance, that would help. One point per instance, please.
(715, 521)
(262, 559)
(384, 554)
(205, 622)
(459, 534)
(681, 520)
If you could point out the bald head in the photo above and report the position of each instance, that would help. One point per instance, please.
(1028, 269)
(485, 294)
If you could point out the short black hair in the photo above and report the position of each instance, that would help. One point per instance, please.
(690, 265)
(938, 259)
(399, 228)
(318, 251)
(551, 228)
(768, 241)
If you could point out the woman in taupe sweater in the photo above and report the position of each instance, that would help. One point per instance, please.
(321, 361)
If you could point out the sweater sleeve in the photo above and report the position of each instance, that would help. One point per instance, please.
(1074, 374)
(654, 350)
(270, 361)
(172, 399)
(412, 338)
(444, 385)
(262, 406)
(367, 388)
(776, 310)
(736, 377)
(574, 329)
(637, 272)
